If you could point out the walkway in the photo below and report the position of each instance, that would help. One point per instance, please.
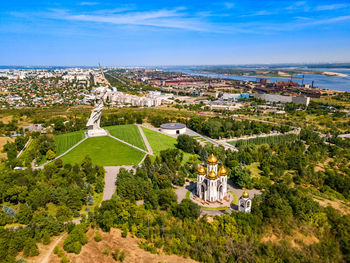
(59, 156)
(24, 147)
(133, 146)
(111, 178)
(246, 137)
(149, 149)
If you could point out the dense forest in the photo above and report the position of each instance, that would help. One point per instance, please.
(42, 201)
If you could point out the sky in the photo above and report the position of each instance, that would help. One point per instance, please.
(149, 33)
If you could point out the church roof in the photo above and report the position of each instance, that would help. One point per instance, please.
(222, 171)
(212, 159)
(212, 175)
(201, 170)
(245, 194)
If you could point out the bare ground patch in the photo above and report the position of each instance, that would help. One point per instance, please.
(93, 252)
(296, 240)
(339, 205)
(3, 141)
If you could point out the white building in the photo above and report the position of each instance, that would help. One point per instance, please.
(244, 203)
(282, 98)
(173, 128)
(211, 182)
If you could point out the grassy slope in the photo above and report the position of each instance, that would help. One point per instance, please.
(129, 133)
(104, 151)
(160, 142)
(65, 141)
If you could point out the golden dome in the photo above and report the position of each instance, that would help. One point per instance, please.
(201, 170)
(212, 159)
(212, 175)
(245, 194)
(222, 171)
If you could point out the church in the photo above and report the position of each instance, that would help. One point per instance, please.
(211, 182)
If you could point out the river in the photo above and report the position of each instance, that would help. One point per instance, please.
(321, 81)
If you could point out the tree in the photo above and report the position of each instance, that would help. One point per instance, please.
(241, 177)
(188, 144)
(30, 248)
(167, 198)
(50, 155)
(186, 209)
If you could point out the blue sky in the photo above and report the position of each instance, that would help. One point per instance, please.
(173, 32)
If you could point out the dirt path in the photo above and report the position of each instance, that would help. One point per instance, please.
(93, 252)
(46, 251)
(52, 247)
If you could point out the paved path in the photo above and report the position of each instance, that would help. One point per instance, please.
(246, 137)
(133, 146)
(111, 178)
(24, 147)
(149, 149)
(59, 156)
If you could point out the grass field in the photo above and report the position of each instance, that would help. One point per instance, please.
(104, 151)
(158, 141)
(67, 140)
(129, 133)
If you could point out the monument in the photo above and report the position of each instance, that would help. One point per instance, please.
(93, 124)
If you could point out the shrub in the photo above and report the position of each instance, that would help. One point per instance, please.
(98, 237)
(116, 254)
(30, 248)
(122, 256)
(106, 252)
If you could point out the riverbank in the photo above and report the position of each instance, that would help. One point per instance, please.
(334, 74)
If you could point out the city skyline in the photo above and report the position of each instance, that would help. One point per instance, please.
(155, 33)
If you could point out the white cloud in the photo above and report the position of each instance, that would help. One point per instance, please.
(89, 3)
(229, 5)
(331, 7)
(164, 18)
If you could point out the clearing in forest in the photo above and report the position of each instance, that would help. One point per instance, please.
(94, 252)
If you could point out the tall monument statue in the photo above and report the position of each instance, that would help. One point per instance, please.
(93, 124)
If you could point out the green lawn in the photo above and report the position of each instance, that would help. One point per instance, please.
(67, 140)
(158, 141)
(129, 133)
(104, 151)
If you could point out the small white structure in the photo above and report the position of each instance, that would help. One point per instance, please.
(93, 124)
(244, 203)
(173, 128)
(211, 183)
